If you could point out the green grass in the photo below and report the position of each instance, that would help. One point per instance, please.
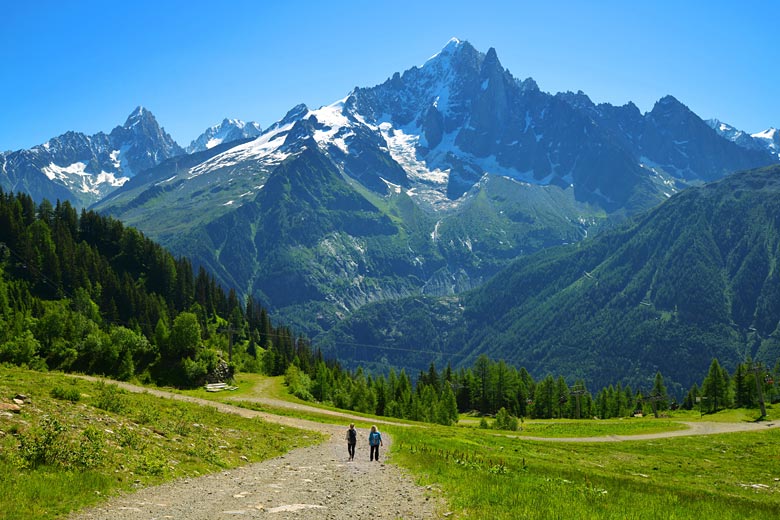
(62, 453)
(595, 428)
(481, 473)
(252, 386)
(585, 428)
(489, 476)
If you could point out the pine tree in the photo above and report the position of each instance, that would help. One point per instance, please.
(659, 392)
(714, 389)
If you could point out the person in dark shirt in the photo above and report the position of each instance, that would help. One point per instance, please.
(351, 441)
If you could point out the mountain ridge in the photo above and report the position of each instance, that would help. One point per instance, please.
(437, 137)
(686, 282)
(466, 166)
(83, 169)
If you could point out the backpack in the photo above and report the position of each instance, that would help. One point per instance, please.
(352, 435)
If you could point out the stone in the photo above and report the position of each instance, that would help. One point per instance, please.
(10, 407)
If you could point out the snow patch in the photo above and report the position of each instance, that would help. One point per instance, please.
(335, 124)
(403, 149)
(395, 188)
(76, 176)
(56, 172)
(115, 160)
(769, 133)
(214, 141)
(266, 148)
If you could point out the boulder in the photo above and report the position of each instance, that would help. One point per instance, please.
(10, 407)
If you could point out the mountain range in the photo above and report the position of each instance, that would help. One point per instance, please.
(83, 169)
(694, 279)
(427, 185)
(768, 140)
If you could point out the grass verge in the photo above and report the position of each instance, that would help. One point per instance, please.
(74, 442)
(728, 476)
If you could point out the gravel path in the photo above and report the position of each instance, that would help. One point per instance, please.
(694, 428)
(306, 483)
(315, 482)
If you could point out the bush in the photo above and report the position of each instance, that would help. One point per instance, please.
(298, 383)
(42, 445)
(505, 421)
(66, 394)
(110, 398)
(49, 444)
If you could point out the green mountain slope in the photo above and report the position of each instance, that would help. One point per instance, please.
(315, 244)
(694, 279)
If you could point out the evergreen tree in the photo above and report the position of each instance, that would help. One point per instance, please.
(448, 406)
(543, 399)
(714, 388)
(744, 387)
(659, 392)
(561, 397)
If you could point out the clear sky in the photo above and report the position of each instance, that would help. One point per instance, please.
(84, 65)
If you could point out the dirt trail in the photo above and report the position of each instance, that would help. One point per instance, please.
(316, 481)
(694, 428)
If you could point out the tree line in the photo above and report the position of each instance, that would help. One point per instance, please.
(82, 292)
(495, 388)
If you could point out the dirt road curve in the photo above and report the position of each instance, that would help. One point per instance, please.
(316, 482)
(694, 428)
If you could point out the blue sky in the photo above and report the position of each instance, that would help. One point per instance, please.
(85, 65)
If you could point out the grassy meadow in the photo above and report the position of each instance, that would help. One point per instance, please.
(78, 441)
(486, 475)
(492, 474)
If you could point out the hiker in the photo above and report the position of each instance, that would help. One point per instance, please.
(374, 441)
(351, 441)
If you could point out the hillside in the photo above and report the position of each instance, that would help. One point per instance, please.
(692, 280)
(85, 293)
(464, 166)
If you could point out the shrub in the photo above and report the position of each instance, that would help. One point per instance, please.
(42, 444)
(66, 394)
(49, 444)
(505, 421)
(110, 398)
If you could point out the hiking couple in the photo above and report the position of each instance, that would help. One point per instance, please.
(374, 442)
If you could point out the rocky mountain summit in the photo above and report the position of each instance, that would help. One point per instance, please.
(227, 131)
(428, 183)
(83, 169)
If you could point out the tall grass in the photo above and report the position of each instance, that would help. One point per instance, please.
(488, 476)
(76, 442)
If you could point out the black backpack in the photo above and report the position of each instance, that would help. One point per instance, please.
(352, 435)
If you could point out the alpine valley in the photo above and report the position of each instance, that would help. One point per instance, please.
(441, 215)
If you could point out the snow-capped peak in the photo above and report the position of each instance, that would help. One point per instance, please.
(769, 133)
(768, 140)
(139, 114)
(226, 131)
(449, 49)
